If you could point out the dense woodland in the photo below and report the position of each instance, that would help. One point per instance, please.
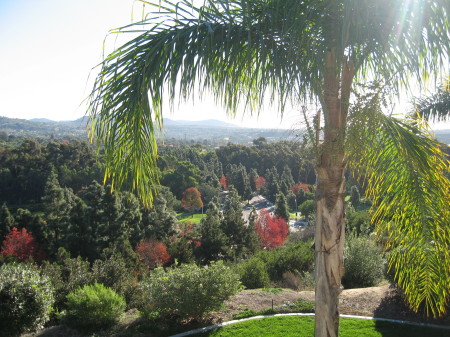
(53, 189)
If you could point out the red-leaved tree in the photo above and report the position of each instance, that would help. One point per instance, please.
(272, 230)
(296, 188)
(260, 182)
(192, 199)
(21, 244)
(152, 253)
(223, 182)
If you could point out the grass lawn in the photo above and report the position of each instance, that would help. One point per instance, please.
(194, 218)
(304, 327)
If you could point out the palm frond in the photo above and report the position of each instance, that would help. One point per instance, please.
(435, 107)
(227, 48)
(403, 172)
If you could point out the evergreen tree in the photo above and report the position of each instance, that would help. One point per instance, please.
(129, 219)
(93, 196)
(6, 221)
(253, 175)
(252, 217)
(213, 242)
(57, 204)
(291, 200)
(287, 181)
(272, 187)
(79, 238)
(159, 222)
(281, 209)
(355, 197)
(242, 183)
(233, 224)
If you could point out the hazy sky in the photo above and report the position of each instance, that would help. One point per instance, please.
(48, 48)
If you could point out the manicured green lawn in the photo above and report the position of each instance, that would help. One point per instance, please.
(304, 327)
(194, 219)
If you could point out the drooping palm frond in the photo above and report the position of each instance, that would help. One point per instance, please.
(435, 107)
(404, 176)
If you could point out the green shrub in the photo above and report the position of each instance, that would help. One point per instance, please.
(66, 276)
(116, 274)
(297, 256)
(189, 291)
(363, 261)
(253, 273)
(359, 222)
(26, 299)
(93, 307)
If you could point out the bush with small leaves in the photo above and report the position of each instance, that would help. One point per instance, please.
(363, 261)
(26, 299)
(188, 291)
(296, 256)
(253, 273)
(66, 275)
(93, 307)
(116, 273)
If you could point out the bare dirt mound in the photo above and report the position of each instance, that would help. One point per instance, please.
(382, 301)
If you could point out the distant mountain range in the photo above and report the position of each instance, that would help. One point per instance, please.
(211, 129)
(167, 122)
(204, 130)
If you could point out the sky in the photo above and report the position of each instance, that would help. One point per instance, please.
(50, 47)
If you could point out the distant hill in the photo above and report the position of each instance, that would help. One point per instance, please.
(206, 130)
(42, 120)
(205, 123)
(211, 131)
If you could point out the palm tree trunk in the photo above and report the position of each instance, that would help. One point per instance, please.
(329, 248)
(330, 169)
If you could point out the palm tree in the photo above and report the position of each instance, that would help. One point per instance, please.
(245, 51)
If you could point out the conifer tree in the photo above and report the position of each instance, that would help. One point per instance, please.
(79, 238)
(158, 222)
(253, 175)
(281, 209)
(233, 224)
(272, 187)
(57, 204)
(213, 242)
(286, 179)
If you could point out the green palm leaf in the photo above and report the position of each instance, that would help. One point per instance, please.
(435, 107)
(403, 172)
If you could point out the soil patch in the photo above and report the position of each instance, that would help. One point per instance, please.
(382, 301)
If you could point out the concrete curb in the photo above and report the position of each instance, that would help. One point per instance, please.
(215, 326)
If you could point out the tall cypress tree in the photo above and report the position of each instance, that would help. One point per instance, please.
(57, 204)
(79, 239)
(286, 180)
(281, 209)
(213, 242)
(233, 225)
